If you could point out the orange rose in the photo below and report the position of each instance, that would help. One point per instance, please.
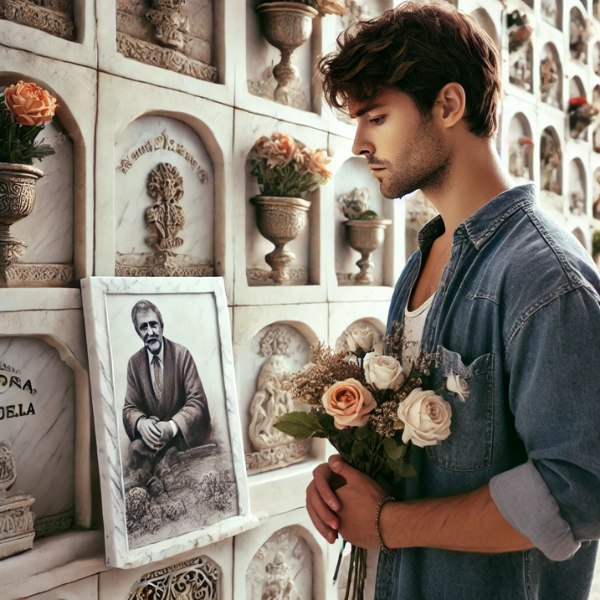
(30, 103)
(349, 403)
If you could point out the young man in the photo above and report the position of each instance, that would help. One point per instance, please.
(507, 506)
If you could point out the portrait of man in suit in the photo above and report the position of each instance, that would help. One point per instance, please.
(165, 405)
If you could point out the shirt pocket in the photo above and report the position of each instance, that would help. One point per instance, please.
(469, 446)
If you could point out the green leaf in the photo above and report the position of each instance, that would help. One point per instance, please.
(363, 433)
(395, 465)
(408, 470)
(357, 448)
(392, 449)
(326, 422)
(300, 425)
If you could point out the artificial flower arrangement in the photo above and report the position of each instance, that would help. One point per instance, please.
(581, 114)
(355, 206)
(370, 407)
(24, 109)
(286, 168)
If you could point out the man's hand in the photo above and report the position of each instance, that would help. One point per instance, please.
(350, 510)
(151, 434)
(166, 432)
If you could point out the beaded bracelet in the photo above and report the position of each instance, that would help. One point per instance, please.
(382, 546)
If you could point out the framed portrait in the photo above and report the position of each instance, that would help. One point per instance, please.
(168, 431)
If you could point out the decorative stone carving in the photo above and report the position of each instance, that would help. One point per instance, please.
(265, 88)
(276, 457)
(16, 518)
(50, 16)
(281, 569)
(365, 237)
(275, 342)
(196, 578)
(33, 275)
(161, 37)
(261, 277)
(53, 524)
(161, 142)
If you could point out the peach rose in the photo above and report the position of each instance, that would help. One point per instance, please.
(31, 104)
(426, 418)
(349, 403)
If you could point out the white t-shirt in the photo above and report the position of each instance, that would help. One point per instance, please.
(414, 322)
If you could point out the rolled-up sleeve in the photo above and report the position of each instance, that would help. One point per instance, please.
(553, 374)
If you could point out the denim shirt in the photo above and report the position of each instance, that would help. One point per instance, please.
(517, 314)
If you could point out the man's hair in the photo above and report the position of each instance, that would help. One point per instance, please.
(144, 306)
(417, 49)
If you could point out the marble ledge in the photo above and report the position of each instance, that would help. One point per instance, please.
(52, 562)
(24, 299)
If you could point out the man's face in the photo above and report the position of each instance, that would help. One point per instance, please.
(405, 150)
(149, 329)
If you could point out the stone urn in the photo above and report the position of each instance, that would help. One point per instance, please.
(286, 25)
(280, 220)
(365, 236)
(17, 196)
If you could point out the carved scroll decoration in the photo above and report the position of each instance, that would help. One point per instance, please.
(49, 16)
(275, 342)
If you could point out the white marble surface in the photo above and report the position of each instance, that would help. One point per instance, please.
(43, 443)
(84, 589)
(102, 297)
(131, 192)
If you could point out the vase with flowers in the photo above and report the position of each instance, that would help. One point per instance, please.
(286, 170)
(24, 109)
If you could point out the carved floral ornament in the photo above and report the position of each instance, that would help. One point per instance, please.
(51, 16)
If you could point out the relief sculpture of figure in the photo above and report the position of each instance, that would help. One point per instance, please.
(165, 405)
(169, 23)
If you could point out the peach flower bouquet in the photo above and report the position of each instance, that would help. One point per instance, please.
(370, 407)
(285, 167)
(24, 110)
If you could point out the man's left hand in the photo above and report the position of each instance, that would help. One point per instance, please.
(166, 431)
(359, 498)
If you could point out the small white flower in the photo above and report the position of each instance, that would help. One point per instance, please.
(383, 372)
(360, 339)
(457, 385)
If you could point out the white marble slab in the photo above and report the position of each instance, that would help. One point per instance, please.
(42, 430)
(84, 589)
(108, 328)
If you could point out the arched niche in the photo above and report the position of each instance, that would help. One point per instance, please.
(577, 188)
(164, 174)
(302, 270)
(361, 10)
(520, 47)
(579, 35)
(596, 194)
(357, 190)
(487, 24)
(273, 352)
(551, 195)
(552, 12)
(551, 76)
(284, 566)
(520, 149)
(576, 90)
(261, 57)
(38, 418)
(52, 257)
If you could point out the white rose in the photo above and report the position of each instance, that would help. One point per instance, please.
(383, 372)
(360, 339)
(426, 418)
(457, 385)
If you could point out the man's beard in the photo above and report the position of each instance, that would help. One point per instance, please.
(424, 163)
(154, 349)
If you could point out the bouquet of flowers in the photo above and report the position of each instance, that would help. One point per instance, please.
(24, 108)
(285, 167)
(370, 407)
(355, 205)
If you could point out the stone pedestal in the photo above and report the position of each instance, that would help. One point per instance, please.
(16, 524)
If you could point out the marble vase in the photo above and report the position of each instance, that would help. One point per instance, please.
(286, 25)
(17, 197)
(365, 236)
(280, 220)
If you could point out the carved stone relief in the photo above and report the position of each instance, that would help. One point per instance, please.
(163, 184)
(51, 16)
(196, 578)
(16, 518)
(165, 36)
(282, 569)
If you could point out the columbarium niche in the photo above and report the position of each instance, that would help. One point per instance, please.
(596, 194)
(551, 198)
(164, 201)
(580, 110)
(596, 105)
(577, 188)
(580, 33)
(263, 370)
(48, 232)
(37, 418)
(273, 73)
(520, 47)
(356, 192)
(282, 568)
(418, 210)
(51, 16)
(170, 34)
(551, 76)
(520, 149)
(552, 12)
